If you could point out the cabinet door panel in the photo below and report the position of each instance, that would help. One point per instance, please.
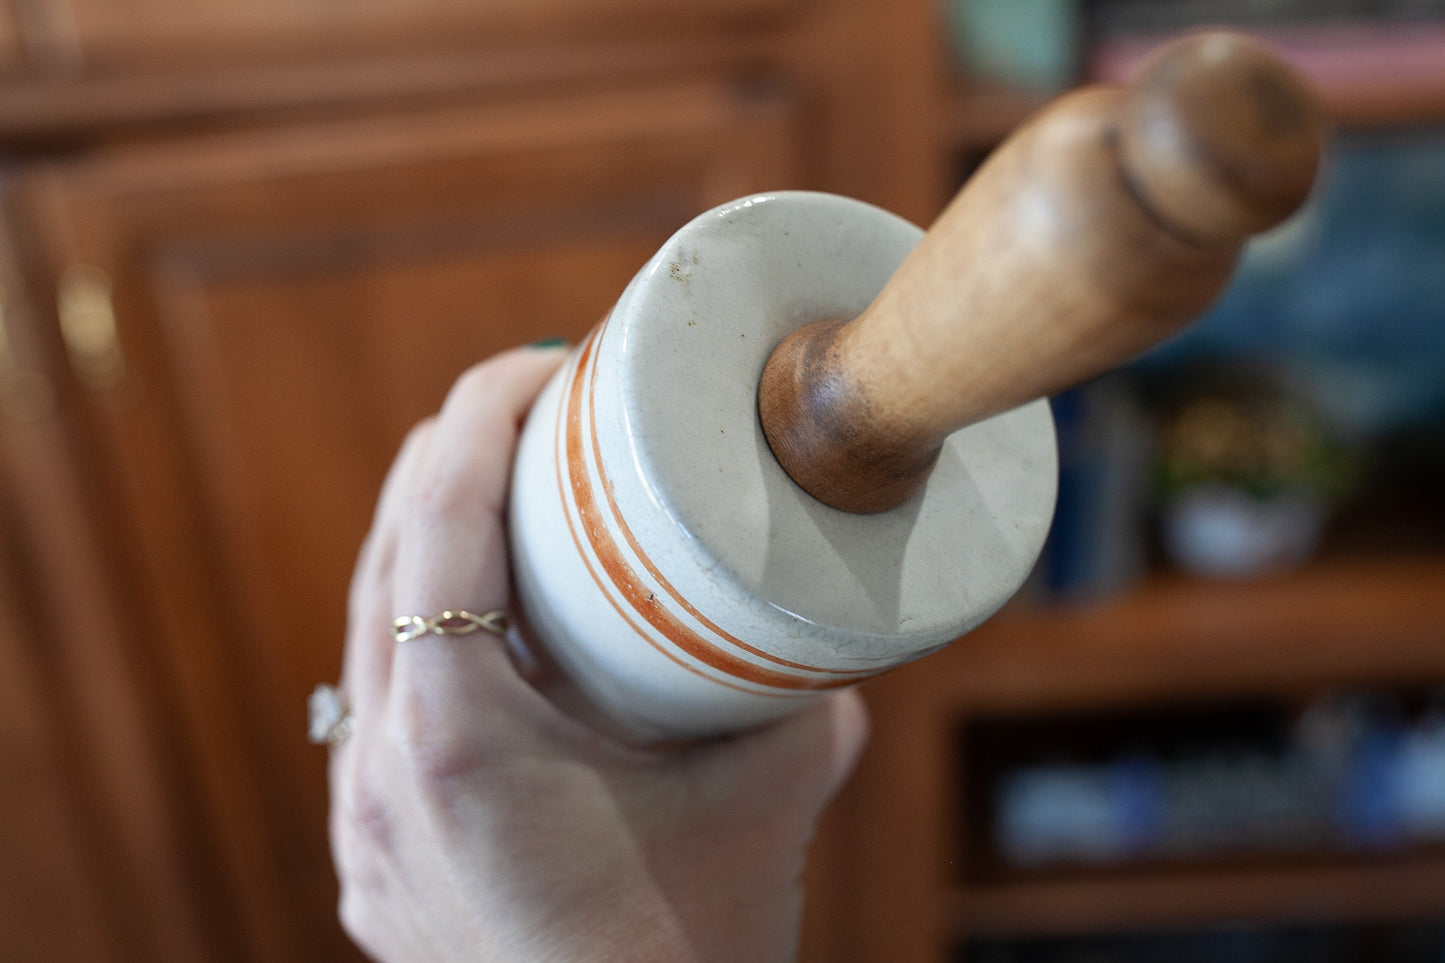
(287, 305)
(97, 829)
(111, 34)
(50, 892)
(11, 53)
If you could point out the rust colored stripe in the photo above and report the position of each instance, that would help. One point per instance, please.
(562, 413)
(647, 563)
(629, 585)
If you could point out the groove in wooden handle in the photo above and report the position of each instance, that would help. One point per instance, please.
(1100, 228)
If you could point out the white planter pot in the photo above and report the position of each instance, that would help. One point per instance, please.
(1223, 532)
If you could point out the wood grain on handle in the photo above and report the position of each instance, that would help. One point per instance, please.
(1100, 228)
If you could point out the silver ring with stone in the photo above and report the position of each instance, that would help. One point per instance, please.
(329, 716)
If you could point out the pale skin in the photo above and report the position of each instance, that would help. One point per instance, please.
(472, 820)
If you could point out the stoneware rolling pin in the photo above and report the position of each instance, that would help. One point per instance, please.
(809, 442)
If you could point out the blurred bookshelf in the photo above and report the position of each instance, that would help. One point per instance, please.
(1185, 769)
(1163, 753)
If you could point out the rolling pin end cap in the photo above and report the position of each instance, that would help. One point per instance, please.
(819, 427)
(1219, 138)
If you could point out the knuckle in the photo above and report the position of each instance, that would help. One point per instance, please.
(474, 388)
(438, 751)
(477, 381)
(441, 769)
(438, 502)
(364, 872)
(372, 821)
(364, 817)
(416, 436)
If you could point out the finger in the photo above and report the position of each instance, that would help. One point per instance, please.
(366, 665)
(849, 728)
(452, 551)
(817, 749)
(377, 558)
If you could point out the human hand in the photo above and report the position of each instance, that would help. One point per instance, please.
(472, 820)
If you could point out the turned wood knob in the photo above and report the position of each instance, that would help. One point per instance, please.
(1101, 227)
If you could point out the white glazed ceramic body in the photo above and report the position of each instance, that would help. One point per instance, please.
(667, 563)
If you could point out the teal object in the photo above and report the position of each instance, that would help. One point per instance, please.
(1029, 44)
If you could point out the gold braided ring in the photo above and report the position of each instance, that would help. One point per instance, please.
(461, 622)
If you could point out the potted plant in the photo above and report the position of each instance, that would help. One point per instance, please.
(1248, 475)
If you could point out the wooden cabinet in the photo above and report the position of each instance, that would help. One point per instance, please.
(116, 846)
(157, 32)
(246, 247)
(253, 323)
(10, 51)
(52, 888)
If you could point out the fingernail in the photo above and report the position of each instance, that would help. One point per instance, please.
(550, 343)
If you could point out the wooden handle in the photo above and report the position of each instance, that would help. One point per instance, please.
(1098, 229)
